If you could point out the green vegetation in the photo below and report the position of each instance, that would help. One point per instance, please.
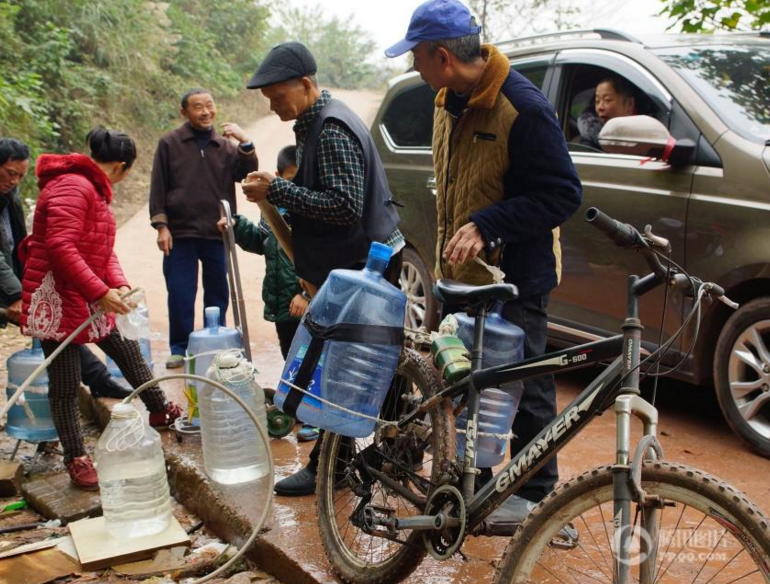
(67, 66)
(712, 15)
(505, 19)
(341, 47)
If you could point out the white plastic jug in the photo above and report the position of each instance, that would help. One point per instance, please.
(132, 476)
(233, 449)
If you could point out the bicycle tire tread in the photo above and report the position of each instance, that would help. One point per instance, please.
(676, 474)
(410, 559)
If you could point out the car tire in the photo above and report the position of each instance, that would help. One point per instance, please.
(742, 374)
(417, 283)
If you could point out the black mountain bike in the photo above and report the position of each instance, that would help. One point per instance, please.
(386, 500)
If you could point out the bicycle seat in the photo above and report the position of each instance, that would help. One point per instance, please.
(452, 292)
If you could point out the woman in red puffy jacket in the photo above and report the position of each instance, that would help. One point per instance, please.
(70, 273)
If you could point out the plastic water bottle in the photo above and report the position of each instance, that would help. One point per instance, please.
(203, 345)
(233, 449)
(20, 426)
(503, 343)
(144, 346)
(353, 375)
(132, 476)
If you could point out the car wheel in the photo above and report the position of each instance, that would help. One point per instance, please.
(742, 374)
(416, 283)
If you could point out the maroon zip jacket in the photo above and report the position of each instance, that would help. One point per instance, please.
(187, 182)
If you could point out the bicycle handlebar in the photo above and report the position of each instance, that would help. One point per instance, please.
(627, 236)
(622, 234)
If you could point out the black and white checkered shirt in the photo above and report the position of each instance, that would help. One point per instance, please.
(341, 171)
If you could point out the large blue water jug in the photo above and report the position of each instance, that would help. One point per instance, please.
(20, 366)
(203, 345)
(353, 374)
(503, 343)
(144, 346)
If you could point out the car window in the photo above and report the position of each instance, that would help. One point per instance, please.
(581, 121)
(734, 80)
(409, 117)
(535, 73)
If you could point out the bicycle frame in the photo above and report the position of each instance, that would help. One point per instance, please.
(591, 402)
(597, 397)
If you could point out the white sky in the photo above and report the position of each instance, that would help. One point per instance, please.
(387, 20)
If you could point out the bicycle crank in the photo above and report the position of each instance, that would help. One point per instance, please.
(375, 516)
(442, 541)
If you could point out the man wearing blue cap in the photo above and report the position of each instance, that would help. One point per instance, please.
(505, 184)
(339, 200)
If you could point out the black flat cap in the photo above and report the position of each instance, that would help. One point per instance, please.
(283, 62)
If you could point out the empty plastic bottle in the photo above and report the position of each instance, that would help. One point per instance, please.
(144, 346)
(132, 476)
(233, 449)
(203, 345)
(20, 426)
(354, 375)
(503, 343)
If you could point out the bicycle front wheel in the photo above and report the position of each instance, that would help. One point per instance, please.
(704, 531)
(364, 483)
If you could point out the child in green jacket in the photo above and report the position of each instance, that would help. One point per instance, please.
(281, 292)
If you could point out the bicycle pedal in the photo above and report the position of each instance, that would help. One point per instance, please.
(567, 538)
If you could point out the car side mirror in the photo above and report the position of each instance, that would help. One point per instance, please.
(645, 136)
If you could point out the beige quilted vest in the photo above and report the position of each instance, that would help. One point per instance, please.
(470, 157)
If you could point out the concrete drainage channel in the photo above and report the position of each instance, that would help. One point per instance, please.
(229, 512)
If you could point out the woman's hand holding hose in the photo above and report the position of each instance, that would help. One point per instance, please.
(111, 302)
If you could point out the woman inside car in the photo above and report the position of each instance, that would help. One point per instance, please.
(615, 97)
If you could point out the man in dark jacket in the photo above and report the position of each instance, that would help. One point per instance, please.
(194, 168)
(504, 187)
(337, 210)
(14, 164)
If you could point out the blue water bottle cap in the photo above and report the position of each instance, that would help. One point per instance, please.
(211, 313)
(380, 251)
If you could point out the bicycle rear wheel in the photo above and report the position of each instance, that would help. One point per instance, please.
(707, 532)
(353, 503)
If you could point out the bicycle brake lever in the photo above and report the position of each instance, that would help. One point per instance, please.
(656, 240)
(712, 289)
(730, 303)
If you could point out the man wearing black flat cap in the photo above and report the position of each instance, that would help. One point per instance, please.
(339, 200)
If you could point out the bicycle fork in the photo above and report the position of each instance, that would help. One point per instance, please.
(627, 489)
(626, 472)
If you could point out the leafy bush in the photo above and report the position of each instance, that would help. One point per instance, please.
(67, 66)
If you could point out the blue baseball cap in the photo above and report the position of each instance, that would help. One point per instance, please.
(435, 20)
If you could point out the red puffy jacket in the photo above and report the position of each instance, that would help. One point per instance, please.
(69, 261)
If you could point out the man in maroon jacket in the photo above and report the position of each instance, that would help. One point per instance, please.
(194, 168)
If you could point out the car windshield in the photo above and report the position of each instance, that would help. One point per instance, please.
(734, 80)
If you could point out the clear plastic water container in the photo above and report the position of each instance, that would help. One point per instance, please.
(144, 346)
(203, 345)
(233, 449)
(503, 343)
(132, 476)
(20, 425)
(353, 375)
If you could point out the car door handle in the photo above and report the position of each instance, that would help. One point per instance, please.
(432, 186)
